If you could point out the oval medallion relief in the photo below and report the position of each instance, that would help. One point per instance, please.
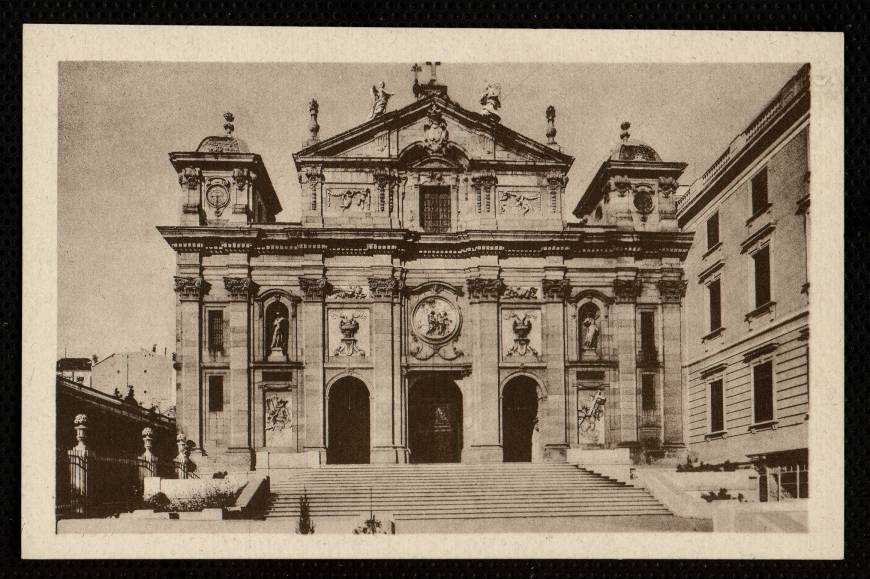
(436, 320)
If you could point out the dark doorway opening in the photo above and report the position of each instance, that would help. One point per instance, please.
(435, 421)
(348, 436)
(519, 410)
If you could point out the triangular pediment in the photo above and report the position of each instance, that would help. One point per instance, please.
(409, 135)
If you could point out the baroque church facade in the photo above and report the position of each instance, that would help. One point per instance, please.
(433, 303)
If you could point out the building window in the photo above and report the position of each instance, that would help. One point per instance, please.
(435, 209)
(648, 391)
(215, 330)
(215, 393)
(477, 198)
(759, 192)
(647, 337)
(762, 392)
(714, 293)
(717, 406)
(713, 231)
(761, 260)
(554, 201)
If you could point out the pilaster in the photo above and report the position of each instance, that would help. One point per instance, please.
(239, 290)
(555, 418)
(672, 289)
(189, 403)
(313, 340)
(626, 290)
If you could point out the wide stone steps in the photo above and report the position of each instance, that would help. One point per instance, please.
(457, 491)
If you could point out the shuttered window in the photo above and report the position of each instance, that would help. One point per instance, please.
(761, 259)
(715, 298)
(717, 407)
(762, 392)
(759, 192)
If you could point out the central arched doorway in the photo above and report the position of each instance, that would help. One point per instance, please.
(435, 421)
(519, 409)
(348, 423)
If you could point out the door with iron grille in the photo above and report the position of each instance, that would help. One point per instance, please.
(435, 209)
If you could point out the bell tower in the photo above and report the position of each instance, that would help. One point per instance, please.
(223, 183)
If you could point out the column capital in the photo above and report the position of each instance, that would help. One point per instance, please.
(556, 289)
(626, 290)
(672, 290)
(484, 289)
(239, 288)
(314, 288)
(382, 288)
(190, 288)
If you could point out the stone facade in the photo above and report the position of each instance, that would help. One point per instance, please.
(747, 354)
(433, 303)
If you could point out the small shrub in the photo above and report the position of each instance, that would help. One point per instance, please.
(222, 474)
(722, 495)
(306, 525)
(158, 502)
(207, 494)
(372, 526)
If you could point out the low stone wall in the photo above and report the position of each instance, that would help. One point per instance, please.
(610, 462)
(681, 491)
(784, 517)
(251, 501)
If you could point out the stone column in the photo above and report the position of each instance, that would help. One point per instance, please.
(555, 427)
(482, 404)
(672, 289)
(188, 410)
(238, 391)
(313, 338)
(79, 457)
(626, 290)
(385, 327)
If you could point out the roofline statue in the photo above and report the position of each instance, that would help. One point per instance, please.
(380, 98)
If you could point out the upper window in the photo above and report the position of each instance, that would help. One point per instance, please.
(435, 209)
(713, 230)
(717, 406)
(648, 333)
(215, 330)
(762, 392)
(759, 192)
(761, 261)
(714, 291)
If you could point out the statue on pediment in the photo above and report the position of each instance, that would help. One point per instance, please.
(380, 98)
(491, 100)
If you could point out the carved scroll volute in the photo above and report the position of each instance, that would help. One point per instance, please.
(484, 290)
(384, 288)
(311, 178)
(672, 291)
(239, 288)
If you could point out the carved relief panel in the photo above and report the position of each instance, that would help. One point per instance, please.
(591, 405)
(521, 335)
(349, 333)
(279, 416)
(435, 327)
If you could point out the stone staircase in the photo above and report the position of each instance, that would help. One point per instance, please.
(457, 491)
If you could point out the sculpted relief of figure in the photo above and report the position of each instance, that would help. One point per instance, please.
(380, 98)
(491, 100)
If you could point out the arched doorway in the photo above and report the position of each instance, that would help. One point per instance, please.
(348, 423)
(435, 421)
(519, 409)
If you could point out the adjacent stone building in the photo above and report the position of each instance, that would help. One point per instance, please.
(433, 304)
(747, 303)
(150, 373)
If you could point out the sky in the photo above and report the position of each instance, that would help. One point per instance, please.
(119, 121)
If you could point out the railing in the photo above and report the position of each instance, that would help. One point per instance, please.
(783, 482)
(796, 86)
(90, 484)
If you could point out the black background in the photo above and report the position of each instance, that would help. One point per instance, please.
(849, 18)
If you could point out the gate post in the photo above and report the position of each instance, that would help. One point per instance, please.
(79, 481)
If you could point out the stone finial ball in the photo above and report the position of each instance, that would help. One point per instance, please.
(81, 420)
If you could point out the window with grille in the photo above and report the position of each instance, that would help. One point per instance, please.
(713, 230)
(215, 330)
(215, 393)
(759, 192)
(435, 209)
(717, 406)
(761, 260)
(762, 392)
(714, 293)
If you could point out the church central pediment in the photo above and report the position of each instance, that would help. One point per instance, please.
(433, 132)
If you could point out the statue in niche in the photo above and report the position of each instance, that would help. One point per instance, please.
(591, 331)
(278, 335)
(380, 98)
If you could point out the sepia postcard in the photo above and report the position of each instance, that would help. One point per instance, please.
(489, 293)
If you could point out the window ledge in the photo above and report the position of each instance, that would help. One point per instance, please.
(761, 310)
(711, 250)
(758, 214)
(766, 425)
(714, 334)
(716, 435)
